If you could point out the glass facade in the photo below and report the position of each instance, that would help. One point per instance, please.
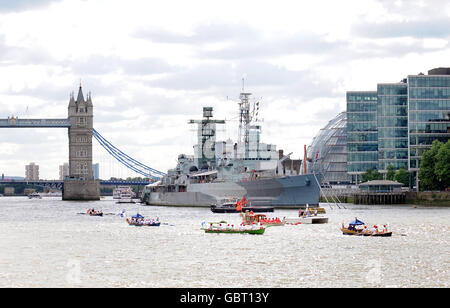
(392, 123)
(428, 114)
(328, 152)
(362, 132)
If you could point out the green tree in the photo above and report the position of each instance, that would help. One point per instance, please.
(390, 173)
(434, 167)
(402, 176)
(442, 166)
(370, 175)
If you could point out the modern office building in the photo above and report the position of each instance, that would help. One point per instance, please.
(328, 152)
(392, 125)
(32, 172)
(397, 123)
(63, 171)
(362, 133)
(428, 113)
(96, 171)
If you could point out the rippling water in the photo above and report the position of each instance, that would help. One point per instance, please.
(46, 243)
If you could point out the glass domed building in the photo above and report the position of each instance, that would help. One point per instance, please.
(327, 155)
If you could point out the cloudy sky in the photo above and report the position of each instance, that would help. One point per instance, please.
(152, 65)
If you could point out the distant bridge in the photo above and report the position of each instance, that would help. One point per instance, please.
(59, 184)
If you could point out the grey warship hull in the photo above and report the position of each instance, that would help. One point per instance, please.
(279, 192)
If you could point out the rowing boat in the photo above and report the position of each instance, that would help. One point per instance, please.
(143, 223)
(346, 231)
(92, 212)
(216, 227)
(257, 231)
(352, 230)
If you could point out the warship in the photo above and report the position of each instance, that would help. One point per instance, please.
(222, 171)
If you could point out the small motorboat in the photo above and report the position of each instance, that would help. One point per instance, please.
(352, 229)
(306, 220)
(223, 227)
(309, 216)
(34, 195)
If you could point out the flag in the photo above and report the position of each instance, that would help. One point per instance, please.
(238, 205)
(244, 200)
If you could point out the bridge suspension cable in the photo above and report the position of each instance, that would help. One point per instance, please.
(126, 160)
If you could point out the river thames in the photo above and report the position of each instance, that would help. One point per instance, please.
(47, 243)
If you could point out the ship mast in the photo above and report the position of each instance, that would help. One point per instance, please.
(244, 119)
(206, 138)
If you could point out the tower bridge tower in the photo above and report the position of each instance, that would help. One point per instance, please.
(81, 184)
(80, 136)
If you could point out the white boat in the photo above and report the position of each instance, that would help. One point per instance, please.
(117, 192)
(52, 194)
(124, 194)
(34, 195)
(306, 220)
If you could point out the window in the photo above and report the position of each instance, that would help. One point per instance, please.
(82, 121)
(82, 169)
(81, 139)
(81, 153)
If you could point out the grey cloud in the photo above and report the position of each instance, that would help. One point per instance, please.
(98, 65)
(207, 33)
(432, 28)
(224, 79)
(300, 44)
(23, 5)
(11, 55)
(247, 42)
(414, 9)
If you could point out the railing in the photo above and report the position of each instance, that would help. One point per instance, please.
(14, 122)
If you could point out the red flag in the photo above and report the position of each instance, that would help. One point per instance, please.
(238, 205)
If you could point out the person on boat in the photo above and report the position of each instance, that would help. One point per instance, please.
(364, 230)
(374, 230)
